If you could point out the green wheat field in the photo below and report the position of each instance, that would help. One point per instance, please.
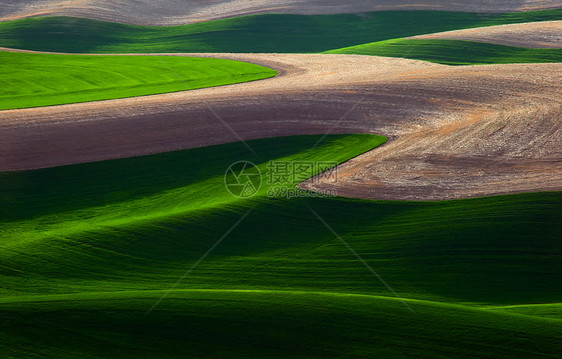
(104, 259)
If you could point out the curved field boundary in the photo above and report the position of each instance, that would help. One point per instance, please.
(260, 33)
(89, 250)
(454, 131)
(288, 324)
(454, 52)
(31, 80)
(543, 34)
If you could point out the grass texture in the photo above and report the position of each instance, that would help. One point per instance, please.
(257, 33)
(28, 80)
(86, 251)
(454, 52)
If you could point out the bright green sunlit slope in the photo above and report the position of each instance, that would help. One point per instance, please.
(87, 250)
(453, 52)
(28, 80)
(259, 33)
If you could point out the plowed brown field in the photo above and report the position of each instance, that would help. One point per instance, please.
(454, 131)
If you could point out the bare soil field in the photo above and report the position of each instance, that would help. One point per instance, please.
(174, 12)
(545, 34)
(454, 131)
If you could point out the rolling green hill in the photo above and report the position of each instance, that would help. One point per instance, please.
(258, 33)
(265, 324)
(87, 250)
(152, 257)
(453, 52)
(28, 80)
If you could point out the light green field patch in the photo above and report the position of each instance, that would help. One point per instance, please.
(453, 52)
(30, 80)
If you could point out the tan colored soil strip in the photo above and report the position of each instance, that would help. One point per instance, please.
(546, 34)
(454, 131)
